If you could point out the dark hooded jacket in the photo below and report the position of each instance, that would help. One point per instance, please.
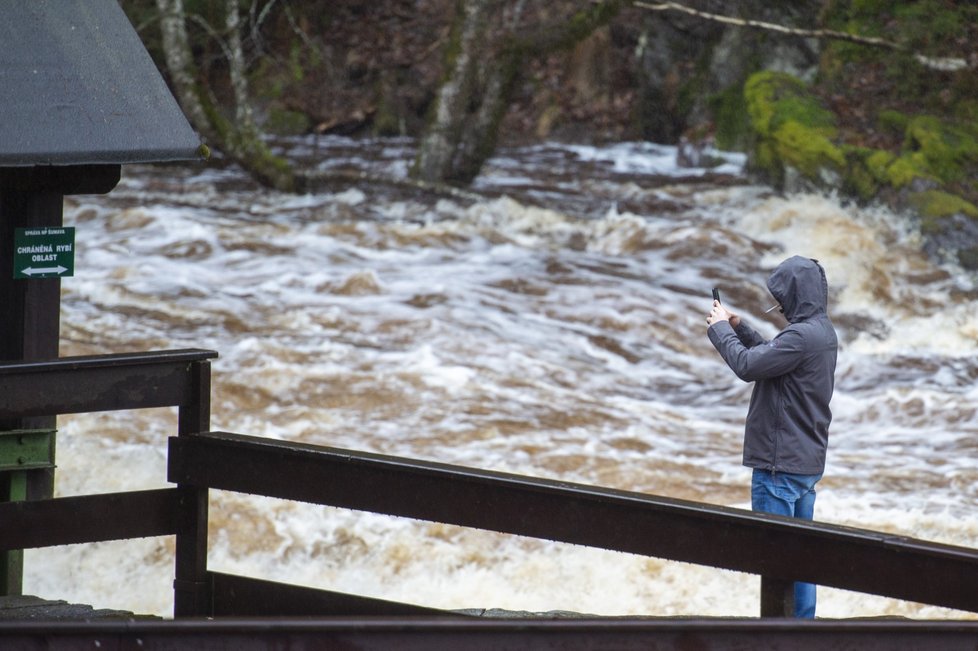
(788, 419)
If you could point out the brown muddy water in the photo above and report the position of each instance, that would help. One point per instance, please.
(554, 328)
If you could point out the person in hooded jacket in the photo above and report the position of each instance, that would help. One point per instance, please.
(787, 428)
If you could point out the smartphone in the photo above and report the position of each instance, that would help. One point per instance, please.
(716, 294)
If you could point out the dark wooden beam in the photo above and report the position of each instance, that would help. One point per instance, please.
(770, 546)
(89, 518)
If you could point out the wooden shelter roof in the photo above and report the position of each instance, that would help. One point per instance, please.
(77, 87)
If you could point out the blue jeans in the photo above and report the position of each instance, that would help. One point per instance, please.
(792, 495)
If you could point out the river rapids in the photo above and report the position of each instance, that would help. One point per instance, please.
(554, 328)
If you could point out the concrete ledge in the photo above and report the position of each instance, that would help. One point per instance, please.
(27, 607)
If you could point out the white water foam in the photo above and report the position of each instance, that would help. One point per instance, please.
(513, 337)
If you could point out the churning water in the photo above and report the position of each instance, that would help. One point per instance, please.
(554, 328)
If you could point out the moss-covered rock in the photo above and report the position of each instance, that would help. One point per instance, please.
(793, 133)
(862, 172)
(795, 145)
(946, 150)
(935, 206)
(934, 176)
(906, 169)
(949, 225)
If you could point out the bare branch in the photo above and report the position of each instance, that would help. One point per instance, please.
(944, 64)
(298, 31)
(213, 33)
(934, 63)
(255, 20)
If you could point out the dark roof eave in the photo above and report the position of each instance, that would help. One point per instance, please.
(127, 157)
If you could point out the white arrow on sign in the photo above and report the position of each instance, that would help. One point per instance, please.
(30, 271)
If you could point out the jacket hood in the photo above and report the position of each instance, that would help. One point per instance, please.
(800, 286)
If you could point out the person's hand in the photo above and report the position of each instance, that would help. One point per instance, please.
(721, 313)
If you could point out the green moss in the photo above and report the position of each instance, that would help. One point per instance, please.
(905, 169)
(878, 164)
(947, 151)
(762, 93)
(935, 170)
(861, 183)
(893, 122)
(774, 98)
(939, 212)
(860, 180)
(807, 149)
(934, 206)
(883, 169)
(791, 127)
(804, 110)
(760, 99)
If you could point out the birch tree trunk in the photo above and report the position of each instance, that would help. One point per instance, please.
(240, 139)
(436, 152)
(180, 62)
(478, 87)
(236, 67)
(476, 143)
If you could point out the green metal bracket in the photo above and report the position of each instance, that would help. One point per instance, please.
(26, 449)
(21, 451)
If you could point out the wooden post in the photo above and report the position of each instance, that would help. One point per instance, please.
(12, 488)
(30, 324)
(777, 597)
(191, 589)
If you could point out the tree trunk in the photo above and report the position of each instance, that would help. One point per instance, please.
(236, 67)
(436, 152)
(180, 63)
(477, 143)
(239, 139)
(478, 87)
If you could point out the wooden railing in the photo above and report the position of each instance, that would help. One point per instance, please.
(780, 550)
(177, 378)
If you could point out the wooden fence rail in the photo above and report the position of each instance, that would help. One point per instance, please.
(72, 385)
(780, 550)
